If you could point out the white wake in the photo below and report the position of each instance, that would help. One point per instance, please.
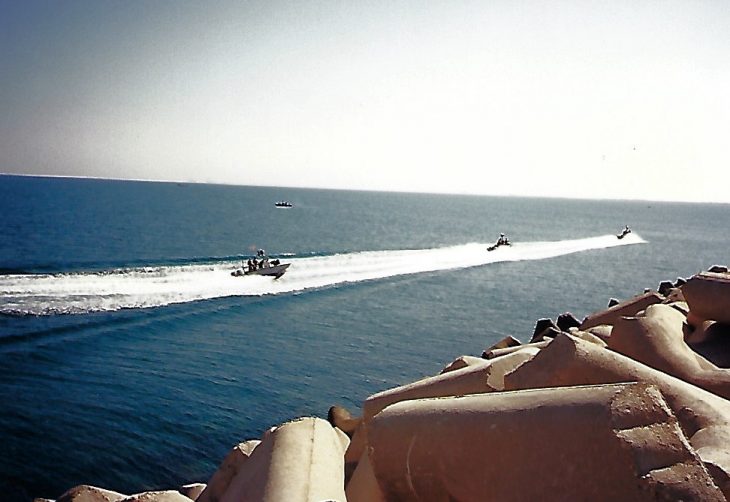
(40, 294)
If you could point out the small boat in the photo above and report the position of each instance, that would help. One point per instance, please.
(495, 246)
(502, 241)
(273, 268)
(284, 203)
(275, 271)
(626, 231)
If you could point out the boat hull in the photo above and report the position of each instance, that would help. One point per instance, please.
(495, 246)
(274, 271)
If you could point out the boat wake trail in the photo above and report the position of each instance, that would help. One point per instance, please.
(73, 293)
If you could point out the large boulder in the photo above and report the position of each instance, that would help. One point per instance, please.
(363, 487)
(704, 416)
(299, 460)
(628, 307)
(708, 296)
(227, 470)
(609, 442)
(656, 338)
(473, 379)
(355, 449)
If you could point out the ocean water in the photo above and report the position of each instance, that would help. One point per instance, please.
(131, 359)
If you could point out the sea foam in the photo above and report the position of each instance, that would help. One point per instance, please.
(46, 294)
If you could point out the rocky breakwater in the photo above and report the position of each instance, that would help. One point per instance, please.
(629, 404)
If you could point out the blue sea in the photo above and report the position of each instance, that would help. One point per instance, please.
(131, 359)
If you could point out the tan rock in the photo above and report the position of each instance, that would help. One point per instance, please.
(354, 451)
(227, 470)
(357, 445)
(708, 296)
(587, 336)
(342, 419)
(602, 331)
(704, 416)
(302, 460)
(88, 493)
(509, 350)
(629, 307)
(158, 496)
(363, 487)
(502, 365)
(470, 380)
(611, 442)
(344, 438)
(507, 341)
(656, 338)
(681, 306)
(192, 490)
(461, 362)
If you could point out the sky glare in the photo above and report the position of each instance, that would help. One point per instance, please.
(590, 99)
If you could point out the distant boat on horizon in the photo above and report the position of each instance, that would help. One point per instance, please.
(284, 203)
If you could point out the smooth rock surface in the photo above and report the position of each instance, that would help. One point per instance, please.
(656, 338)
(227, 470)
(703, 416)
(628, 307)
(461, 362)
(302, 460)
(708, 296)
(612, 442)
(470, 380)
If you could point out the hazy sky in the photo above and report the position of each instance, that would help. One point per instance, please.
(562, 98)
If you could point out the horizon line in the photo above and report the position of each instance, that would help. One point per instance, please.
(467, 194)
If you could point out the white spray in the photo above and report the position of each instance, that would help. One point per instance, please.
(39, 294)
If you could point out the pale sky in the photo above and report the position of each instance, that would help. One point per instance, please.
(591, 99)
